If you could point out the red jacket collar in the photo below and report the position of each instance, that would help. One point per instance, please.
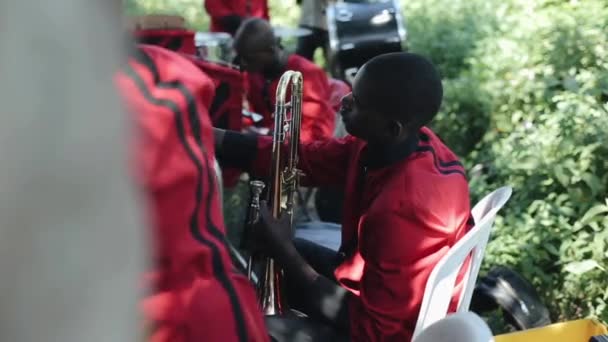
(374, 157)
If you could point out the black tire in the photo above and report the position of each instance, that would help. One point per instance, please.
(519, 302)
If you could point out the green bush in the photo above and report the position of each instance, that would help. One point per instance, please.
(448, 32)
(526, 99)
(464, 116)
(557, 216)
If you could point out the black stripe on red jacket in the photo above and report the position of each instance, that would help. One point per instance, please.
(218, 267)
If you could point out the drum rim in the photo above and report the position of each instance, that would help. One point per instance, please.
(214, 36)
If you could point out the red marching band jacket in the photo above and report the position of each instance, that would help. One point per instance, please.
(399, 221)
(243, 8)
(227, 106)
(194, 293)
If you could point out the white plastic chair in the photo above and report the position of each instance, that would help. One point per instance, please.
(458, 327)
(440, 285)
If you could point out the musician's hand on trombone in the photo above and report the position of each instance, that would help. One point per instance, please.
(272, 235)
(276, 236)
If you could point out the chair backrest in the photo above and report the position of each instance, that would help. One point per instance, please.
(440, 285)
(458, 327)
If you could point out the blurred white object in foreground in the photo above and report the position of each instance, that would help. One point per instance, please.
(71, 243)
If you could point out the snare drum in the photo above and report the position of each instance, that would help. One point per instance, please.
(360, 30)
(214, 46)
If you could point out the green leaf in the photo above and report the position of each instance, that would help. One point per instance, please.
(567, 211)
(593, 181)
(592, 213)
(581, 267)
(552, 249)
(562, 177)
(526, 163)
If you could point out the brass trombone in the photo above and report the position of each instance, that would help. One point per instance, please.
(283, 186)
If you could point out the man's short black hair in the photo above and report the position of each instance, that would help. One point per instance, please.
(404, 85)
(255, 34)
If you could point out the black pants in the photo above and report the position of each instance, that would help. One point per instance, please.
(308, 44)
(311, 329)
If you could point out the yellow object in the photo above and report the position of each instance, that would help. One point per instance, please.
(573, 331)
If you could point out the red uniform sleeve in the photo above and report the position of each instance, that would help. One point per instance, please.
(218, 8)
(223, 8)
(398, 250)
(323, 162)
(318, 117)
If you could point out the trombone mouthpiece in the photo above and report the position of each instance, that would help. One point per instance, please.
(257, 186)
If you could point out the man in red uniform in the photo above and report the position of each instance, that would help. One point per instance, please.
(227, 15)
(260, 54)
(194, 293)
(407, 203)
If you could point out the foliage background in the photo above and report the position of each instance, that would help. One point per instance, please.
(526, 91)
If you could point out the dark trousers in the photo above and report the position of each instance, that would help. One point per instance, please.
(308, 44)
(313, 328)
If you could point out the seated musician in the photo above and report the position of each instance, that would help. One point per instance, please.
(194, 294)
(407, 203)
(265, 61)
(227, 15)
